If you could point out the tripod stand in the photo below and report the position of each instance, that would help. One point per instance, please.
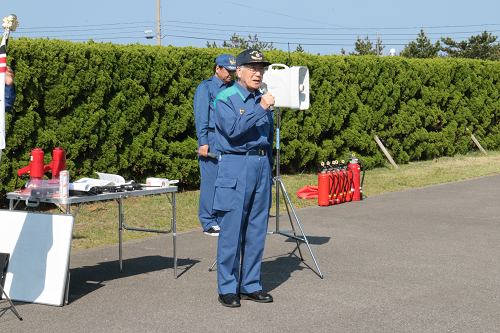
(11, 304)
(288, 204)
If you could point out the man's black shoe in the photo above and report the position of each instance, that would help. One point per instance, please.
(229, 300)
(258, 296)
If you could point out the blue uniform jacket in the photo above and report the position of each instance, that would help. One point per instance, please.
(241, 122)
(205, 94)
(10, 97)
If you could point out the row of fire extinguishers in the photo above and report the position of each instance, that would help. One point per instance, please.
(340, 182)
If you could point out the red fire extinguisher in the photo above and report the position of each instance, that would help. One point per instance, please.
(342, 182)
(357, 185)
(324, 189)
(350, 184)
(324, 186)
(335, 186)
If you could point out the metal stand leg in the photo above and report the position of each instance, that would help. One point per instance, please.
(120, 231)
(173, 229)
(302, 238)
(11, 304)
(66, 290)
(286, 199)
(213, 265)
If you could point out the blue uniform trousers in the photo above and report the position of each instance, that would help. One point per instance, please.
(208, 171)
(242, 200)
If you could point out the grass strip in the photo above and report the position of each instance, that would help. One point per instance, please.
(97, 223)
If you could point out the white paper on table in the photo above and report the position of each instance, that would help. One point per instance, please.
(84, 184)
(116, 179)
(105, 179)
(79, 187)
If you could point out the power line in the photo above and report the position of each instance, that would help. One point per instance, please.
(273, 42)
(275, 35)
(313, 34)
(80, 26)
(281, 14)
(284, 41)
(253, 28)
(83, 30)
(323, 28)
(303, 19)
(199, 31)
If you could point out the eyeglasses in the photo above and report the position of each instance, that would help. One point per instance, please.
(253, 69)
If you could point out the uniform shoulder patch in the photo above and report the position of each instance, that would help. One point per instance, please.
(226, 93)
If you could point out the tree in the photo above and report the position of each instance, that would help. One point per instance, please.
(365, 47)
(422, 48)
(236, 42)
(299, 49)
(477, 47)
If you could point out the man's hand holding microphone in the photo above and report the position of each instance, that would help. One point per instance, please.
(203, 151)
(267, 100)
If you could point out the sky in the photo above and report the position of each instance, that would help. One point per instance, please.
(319, 26)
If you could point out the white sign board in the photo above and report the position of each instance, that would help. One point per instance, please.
(39, 245)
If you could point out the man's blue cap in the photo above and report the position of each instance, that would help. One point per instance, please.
(251, 56)
(226, 60)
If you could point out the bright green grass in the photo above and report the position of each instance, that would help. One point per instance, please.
(97, 223)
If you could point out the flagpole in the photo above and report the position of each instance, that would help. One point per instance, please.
(9, 24)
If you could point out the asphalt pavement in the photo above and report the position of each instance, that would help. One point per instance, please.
(419, 260)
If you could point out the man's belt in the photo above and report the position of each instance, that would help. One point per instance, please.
(250, 152)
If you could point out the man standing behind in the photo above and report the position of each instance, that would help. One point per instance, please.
(10, 94)
(225, 67)
(244, 140)
(10, 89)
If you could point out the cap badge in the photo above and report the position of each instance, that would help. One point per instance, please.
(255, 55)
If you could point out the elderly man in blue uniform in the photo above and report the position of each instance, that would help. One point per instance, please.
(225, 67)
(244, 131)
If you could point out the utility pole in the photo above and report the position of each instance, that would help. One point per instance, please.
(378, 44)
(158, 27)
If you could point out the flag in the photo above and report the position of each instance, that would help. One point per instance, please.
(3, 68)
(9, 24)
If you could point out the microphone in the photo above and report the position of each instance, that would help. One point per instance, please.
(211, 155)
(263, 90)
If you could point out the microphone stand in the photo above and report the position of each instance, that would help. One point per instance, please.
(288, 203)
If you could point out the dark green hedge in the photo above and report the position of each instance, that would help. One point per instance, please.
(127, 109)
(419, 108)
